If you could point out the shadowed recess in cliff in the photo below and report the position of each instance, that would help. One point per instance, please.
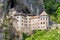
(27, 6)
(13, 3)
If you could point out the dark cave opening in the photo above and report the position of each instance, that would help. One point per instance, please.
(12, 3)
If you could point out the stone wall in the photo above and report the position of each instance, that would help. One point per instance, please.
(54, 26)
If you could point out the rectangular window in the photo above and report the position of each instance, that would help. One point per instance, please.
(26, 27)
(29, 24)
(41, 26)
(38, 27)
(38, 23)
(46, 18)
(26, 21)
(29, 21)
(38, 20)
(22, 17)
(25, 24)
(26, 18)
(33, 20)
(22, 23)
(22, 20)
(43, 18)
(43, 22)
(33, 27)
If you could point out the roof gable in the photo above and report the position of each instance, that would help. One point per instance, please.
(43, 13)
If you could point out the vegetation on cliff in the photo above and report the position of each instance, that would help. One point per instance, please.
(52, 8)
(45, 35)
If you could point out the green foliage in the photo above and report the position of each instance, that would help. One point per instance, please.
(58, 15)
(53, 18)
(46, 35)
(37, 34)
(25, 36)
(52, 8)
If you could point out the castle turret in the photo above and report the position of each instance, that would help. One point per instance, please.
(44, 19)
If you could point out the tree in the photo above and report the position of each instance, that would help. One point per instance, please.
(51, 6)
(58, 15)
(45, 35)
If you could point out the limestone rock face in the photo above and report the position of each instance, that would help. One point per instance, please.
(1, 8)
(33, 7)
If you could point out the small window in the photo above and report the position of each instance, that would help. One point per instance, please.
(26, 21)
(43, 22)
(26, 18)
(43, 18)
(41, 26)
(33, 20)
(22, 20)
(22, 17)
(22, 23)
(17, 36)
(17, 17)
(46, 18)
(38, 27)
(29, 27)
(38, 20)
(25, 24)
(29, 24)
(26, 27)
(29, 21)
(33, 27)
(16, 22)
(38, 23)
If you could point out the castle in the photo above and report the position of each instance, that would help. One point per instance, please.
(29, 23)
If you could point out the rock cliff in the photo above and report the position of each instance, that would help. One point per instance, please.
(33, 7)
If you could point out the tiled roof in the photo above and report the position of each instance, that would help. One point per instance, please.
(43, 13)
(33, 17)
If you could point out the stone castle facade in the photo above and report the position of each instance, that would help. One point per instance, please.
(29, 23)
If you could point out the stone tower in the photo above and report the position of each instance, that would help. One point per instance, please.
(44, 19)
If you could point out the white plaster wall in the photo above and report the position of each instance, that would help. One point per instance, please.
(19, 18)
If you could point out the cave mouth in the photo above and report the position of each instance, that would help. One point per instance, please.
(13, 3)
